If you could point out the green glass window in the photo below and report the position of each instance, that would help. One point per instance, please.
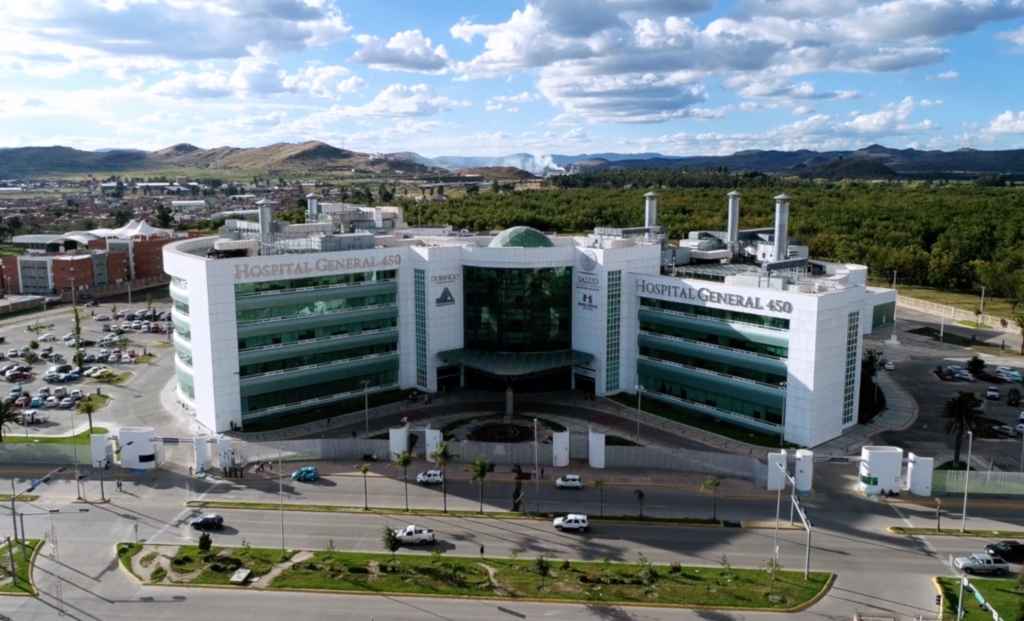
(312, 282)
(775, 351)
(720, 314)
(181, 307)
(317, 334)
(518, 310)
(295, 362)
(318, 307)
(256, 403)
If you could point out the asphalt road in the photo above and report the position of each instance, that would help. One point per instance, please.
(876, 571)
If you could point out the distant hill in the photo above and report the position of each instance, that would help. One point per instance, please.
(314, 157)
(498, 172)
(276, 159)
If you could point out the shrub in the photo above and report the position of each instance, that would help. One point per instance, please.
(205, 542)
(566, 565)
(675, 568)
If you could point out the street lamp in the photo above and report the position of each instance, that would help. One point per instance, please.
(803, 518)
(536, 469)
(785, 390)
(967, 479)
(74, 448)
(778, 509)
(280, 493)
(366, 404)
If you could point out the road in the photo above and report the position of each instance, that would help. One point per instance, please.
(876, 571)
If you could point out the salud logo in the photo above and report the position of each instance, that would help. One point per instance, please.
(446, 299)
(588, 260)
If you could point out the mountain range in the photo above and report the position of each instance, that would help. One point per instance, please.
(318, 158)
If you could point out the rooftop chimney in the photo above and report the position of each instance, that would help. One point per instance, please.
(651, 210)
(781, 227)
(734, 221)
(312, 209)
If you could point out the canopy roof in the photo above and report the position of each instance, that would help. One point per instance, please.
(513, 365)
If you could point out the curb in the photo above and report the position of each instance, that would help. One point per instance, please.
(932, 502)
(988, 534)
(531, 600)
(31, 568)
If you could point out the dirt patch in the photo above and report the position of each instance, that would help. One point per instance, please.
(268, 577)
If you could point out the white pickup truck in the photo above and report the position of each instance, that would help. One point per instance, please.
(981, 564)
(412, 535)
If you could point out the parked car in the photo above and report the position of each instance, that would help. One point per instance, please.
(963, 376)
(106, 327)
(126, 325)
(954, 368)
(12, 353)
(51, 402)
(50, 376)
(981, 564)
(89, 358)
(101, 318)
(22, 401)
(16, 376)
(430, 477)
(889, 366)
(68, 377)
(1013, 397)
(412, 535)
(1009, 551)
(43, 391)
(210, 521)
(67, 403)
(1020, 428)
(1003, 430)
(1011, 372)
(573, 521)
(9, 367)
(571, 481)
(24, 351)
(32, 417)
(76, 394)
(49, 336)
(308, 473)
(37, 402)
(992, 393)
(70, 336)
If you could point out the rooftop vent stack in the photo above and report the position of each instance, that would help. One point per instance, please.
(734, 221)
(266, 224)
(781, 227)
(312, 208)
(650, 210)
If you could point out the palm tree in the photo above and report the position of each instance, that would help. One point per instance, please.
(403, 460)
(870, 365)
(964, 414)
(365, 469)
(599, 484)
(88, 407)
(640, 497)
(479, 469)
(8, 414)
(713, 483)
(441, 458)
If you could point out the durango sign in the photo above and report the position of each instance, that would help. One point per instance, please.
(320, 266)
(713, 297)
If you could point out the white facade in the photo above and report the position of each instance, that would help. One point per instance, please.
(827, 316)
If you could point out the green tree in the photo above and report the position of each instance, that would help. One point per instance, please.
(31, 357)
(963, 413)
(772, 567)
(121, 217)
(88, 407)
(390, 540)
(365, 470)
(599, 484)
(976, 365)
(712, 483)
(33, 345)
(441, 458)
(403, 460)
(9, 414)
(542, 566)
(640, 498)
(1020, 326)
(479, 469)
(871, 363)
(164, 216)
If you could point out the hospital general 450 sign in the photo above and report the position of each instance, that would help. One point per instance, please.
(299, 268)
(711, 296)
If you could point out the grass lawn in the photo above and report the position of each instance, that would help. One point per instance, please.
(974, 344)
(968, 301)
(117, 378)
(706, 423)
(953, 465)
(273, 506)
(1003, 595)
(162, 345)
(144, 359)
(125, 552)
(98, 400)
(606, 583)
(22, 567)
(955, 532)
(974, 324)
(21, 498)
(218, 565)
(81, 439)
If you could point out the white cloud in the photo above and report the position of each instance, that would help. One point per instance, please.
(625, 98)
(945, 75)
(932, 102)
(523, 97)
(755, 88)
(802, 110)
(512, 110)
(406, 51)
(399, 100)
(195, 85)
(1014, 36)
(1007, 123)
(706, 114)
(564, 120)
(321, 82)
(160, 116)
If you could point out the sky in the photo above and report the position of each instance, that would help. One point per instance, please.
(495, 77)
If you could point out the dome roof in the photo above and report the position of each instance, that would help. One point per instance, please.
(521, 237)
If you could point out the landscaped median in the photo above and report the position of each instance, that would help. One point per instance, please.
(505, 515)
(23, 561)
(950, 532)
(527, 579)
(1005, 596)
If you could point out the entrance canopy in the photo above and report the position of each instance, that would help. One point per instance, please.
(515, 366)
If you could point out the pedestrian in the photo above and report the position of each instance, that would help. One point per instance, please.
(118, 482)
(481, 550)
(542, 473)
(190, 471)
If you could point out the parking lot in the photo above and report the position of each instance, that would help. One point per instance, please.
(916, 360)
(121, 360)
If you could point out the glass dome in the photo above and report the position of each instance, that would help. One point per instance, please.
(521, 237)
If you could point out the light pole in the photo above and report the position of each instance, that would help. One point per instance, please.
(967, 479)
(785, 390)
(639, 393)
(21, 518)
(803, 518)
(366, 404)
(1022, 452)
(74, 448)
(894, 306)
(778, 509)
(280, 493)
(536, 469)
